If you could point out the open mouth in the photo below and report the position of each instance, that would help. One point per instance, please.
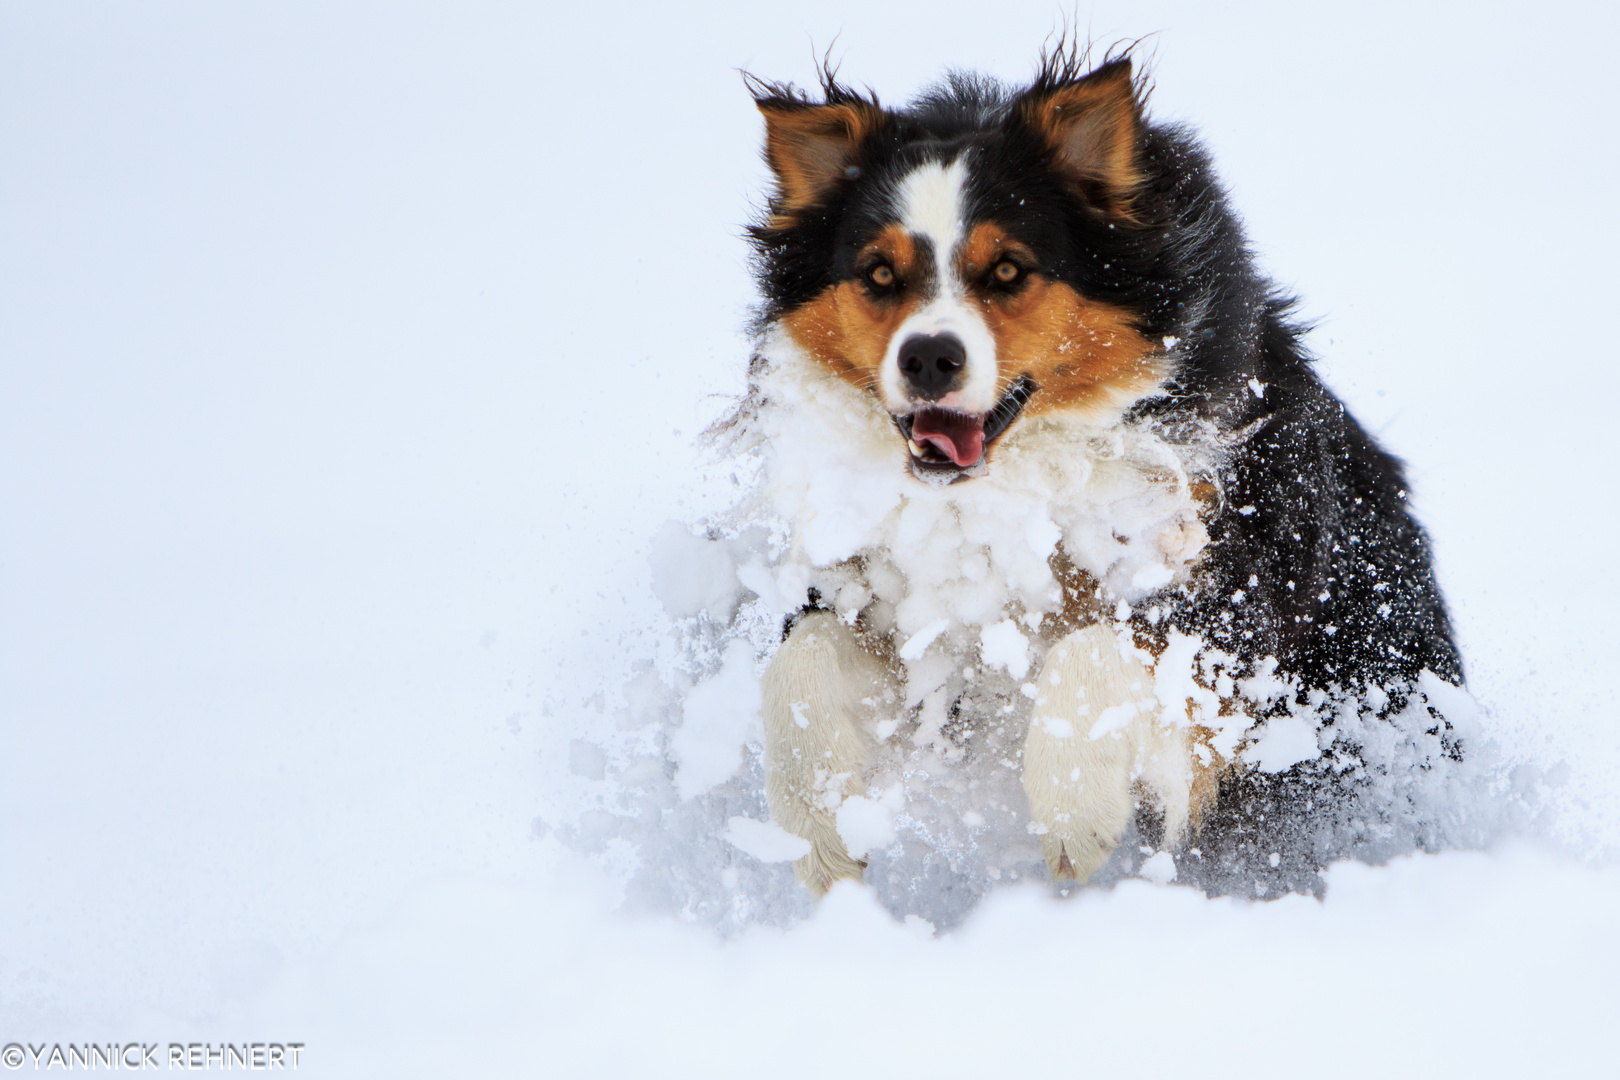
(947, 445)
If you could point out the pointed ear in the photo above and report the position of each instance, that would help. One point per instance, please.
(1093, 128)
(812, 147)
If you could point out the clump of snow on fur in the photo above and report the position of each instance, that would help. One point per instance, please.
(1283, 741)
(1003, 645)
(836, 489)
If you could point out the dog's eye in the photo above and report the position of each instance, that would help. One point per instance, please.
(1007, 272)
(881, 276)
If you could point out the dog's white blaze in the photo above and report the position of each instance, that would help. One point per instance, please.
(931, 206)
(930, 199)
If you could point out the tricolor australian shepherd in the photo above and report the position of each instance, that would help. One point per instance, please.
(1060, 493)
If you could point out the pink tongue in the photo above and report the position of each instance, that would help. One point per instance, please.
(956, 435)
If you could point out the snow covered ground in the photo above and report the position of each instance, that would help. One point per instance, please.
(350, 361)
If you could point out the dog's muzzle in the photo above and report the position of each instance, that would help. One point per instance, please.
(947, 446)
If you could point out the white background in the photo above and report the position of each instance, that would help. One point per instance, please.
(350, 355)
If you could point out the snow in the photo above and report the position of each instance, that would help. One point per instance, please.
(707, 748)
(944, 560)
(1283, 741)
(1111, 719)
(692, 576)
(1519, 979)
(865, 824)
(352, 619)
(918, 643)
(765, 840)
(1159, 868)
(1005, 646)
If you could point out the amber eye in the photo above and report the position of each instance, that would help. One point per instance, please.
(1006, 271)
(881, 276)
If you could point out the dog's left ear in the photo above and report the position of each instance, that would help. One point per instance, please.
(1092, 127)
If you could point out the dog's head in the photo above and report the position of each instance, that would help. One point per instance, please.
(975, 258)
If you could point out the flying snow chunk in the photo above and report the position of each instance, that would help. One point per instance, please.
(765, 840)
(1287, 741)
(781, 590)
(719, 713)
(587, 760)
(691, 575)
(1004, 645)
(1455, 704)
(1160, 869)
(1152, 576)
(864, 824)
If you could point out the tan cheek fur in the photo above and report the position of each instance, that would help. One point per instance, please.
(1081, 353)
(1084, 355)
(847, 330)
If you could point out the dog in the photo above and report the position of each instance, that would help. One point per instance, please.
(1059, 490)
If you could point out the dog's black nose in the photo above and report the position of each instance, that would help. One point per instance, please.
(932, 364)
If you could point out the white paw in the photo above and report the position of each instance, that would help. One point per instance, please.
(815, 749)
(1094, 704)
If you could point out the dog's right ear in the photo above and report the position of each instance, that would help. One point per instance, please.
(812, 148)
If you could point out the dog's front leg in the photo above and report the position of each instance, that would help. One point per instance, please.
(1093, 703)
(815, 691)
